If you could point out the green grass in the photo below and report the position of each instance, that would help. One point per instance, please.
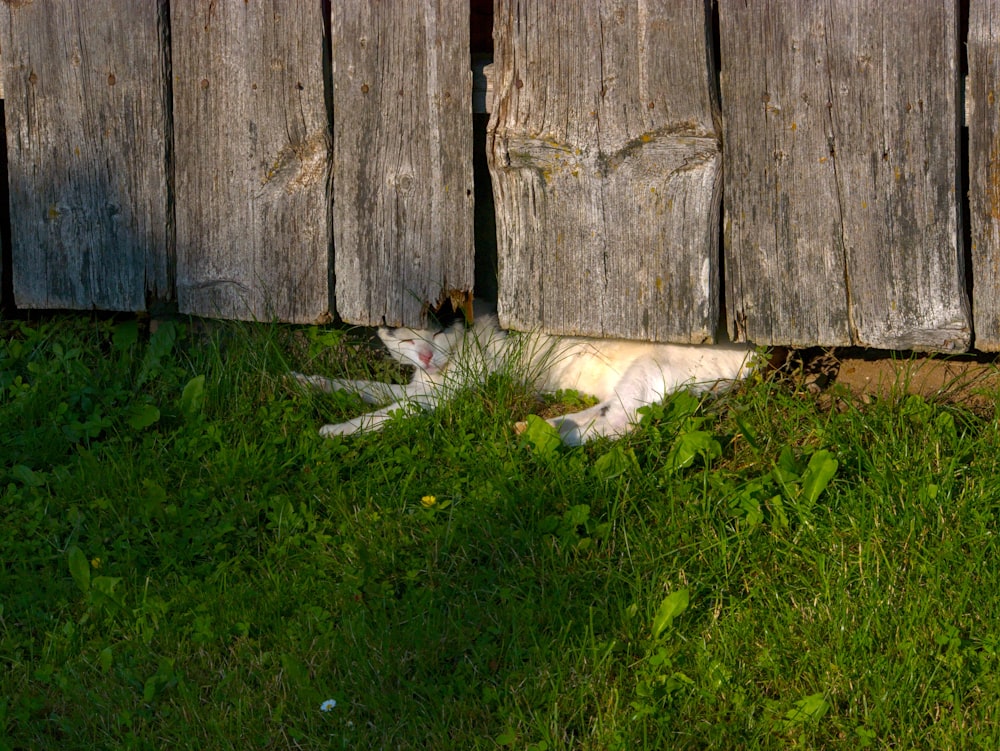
(187, 565)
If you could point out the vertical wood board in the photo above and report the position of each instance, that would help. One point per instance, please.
(403, 190)
(984, 169)
(6, 293)
(784, 259)
(252, 153)
(842, 218)
(606, 169)
(87, 137)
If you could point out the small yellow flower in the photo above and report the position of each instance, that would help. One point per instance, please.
(95, 562)
(428, 501)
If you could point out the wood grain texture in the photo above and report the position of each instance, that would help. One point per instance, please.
(87, 141)
(606, 169)
(984, 169)
(842, 219)
(252, 148)
(402, 96)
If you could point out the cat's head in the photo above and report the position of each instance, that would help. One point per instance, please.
(425, 349)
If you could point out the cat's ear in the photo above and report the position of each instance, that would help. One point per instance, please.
(392, 337)
(386, 334)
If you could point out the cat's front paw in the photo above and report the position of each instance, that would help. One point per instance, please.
(341, 428)
(308, 381)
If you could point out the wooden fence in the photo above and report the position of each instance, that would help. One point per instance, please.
(804, 173)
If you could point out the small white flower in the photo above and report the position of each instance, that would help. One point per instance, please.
(327, 705)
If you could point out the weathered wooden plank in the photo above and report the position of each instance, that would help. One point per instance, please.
(842, 156)
(606, 166)
(85, 101)
(984, 169)
(784, 261)
(252, 149)
(402, 97)
(6, 287)
(899, 178)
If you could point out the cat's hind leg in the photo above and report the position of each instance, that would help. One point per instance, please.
(615, 416)
(611, 418)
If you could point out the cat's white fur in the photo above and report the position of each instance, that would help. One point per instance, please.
(622, 375)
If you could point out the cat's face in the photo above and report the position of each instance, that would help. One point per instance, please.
(426, 349)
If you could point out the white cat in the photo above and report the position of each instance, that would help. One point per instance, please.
(622, 375)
